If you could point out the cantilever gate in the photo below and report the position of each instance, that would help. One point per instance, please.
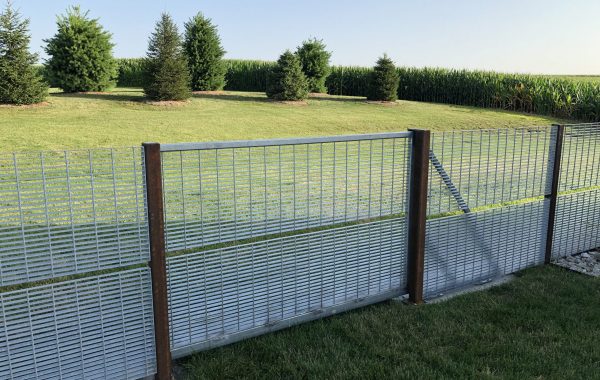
(282, 231)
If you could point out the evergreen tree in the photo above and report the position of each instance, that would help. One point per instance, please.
(384, 81)
(167, 75)
(315, 63)
(286, 80)
(202, 47)
(80, 54)
(20, 81)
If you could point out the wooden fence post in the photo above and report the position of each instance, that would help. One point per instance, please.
(158, 262)
(417, 213)
(553, 196)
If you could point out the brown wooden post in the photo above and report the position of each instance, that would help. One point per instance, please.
(553, 196)
(158, 262)
(417, 213)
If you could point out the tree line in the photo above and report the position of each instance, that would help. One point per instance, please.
(81, 60)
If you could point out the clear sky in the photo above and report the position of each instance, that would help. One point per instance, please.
(536, 36)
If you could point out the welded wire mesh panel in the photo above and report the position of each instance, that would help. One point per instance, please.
(476, 247)
(577, 227)
(472, 169)
(70, 212)
(220, 195)
(580, 163)
(94, 328)
(219, 294)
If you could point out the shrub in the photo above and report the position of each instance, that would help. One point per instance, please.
(80, 54)
(286, 80)
(315, 63)
(202, 47)
(167, 75)
(20, 81)
(384, 81)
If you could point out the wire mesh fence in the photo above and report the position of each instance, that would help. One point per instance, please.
(70, 212)
(228, 194)
(470, 170)
(307, 225)
(74, 213)
(577, 226)
(264, 234)
(487, 216)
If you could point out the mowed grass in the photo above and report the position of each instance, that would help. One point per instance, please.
(121, 118)
(543, 325)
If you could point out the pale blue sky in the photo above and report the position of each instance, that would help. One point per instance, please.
(538, 36)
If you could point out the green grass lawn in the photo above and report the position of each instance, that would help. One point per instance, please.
(120, 118)
(543, 325)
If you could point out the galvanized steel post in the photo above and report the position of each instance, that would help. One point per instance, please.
(553, 196)
(417, 213)
(158, 264)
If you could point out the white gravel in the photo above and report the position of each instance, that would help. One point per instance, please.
(586, 262)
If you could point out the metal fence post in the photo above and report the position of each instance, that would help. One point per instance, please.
(553, 196)
(417, 213)
(158, 262)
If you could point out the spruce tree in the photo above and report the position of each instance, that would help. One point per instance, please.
(384, 81)
(204, 52)
(286, 80)
(315, 63)
(20, 81)
(81, 54)
(167, 75)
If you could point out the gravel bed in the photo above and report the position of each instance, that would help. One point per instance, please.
(586, 262)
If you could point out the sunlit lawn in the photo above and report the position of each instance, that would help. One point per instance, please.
(121, 118)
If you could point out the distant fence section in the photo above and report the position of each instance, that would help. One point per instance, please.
(114, 260)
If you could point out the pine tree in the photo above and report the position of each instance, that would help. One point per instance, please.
(204, 52)
(286, 80)
(81, 54)
(384, 81)
(20, 81)
(315, 63)
(167, 75)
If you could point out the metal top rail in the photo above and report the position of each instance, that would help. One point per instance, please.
(278, 142)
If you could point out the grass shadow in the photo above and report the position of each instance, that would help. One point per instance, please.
(110, 96)
(338, 98)
(233, 97)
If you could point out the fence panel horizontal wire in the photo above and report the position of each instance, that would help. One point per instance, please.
(233, 193)
(577, 226)
(94, 328)
(229, 291)
(71, 212)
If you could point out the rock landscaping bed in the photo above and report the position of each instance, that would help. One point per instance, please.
(587, 262)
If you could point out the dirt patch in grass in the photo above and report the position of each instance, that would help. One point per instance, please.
(297, 103)
(25, 106)
(167, 103)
